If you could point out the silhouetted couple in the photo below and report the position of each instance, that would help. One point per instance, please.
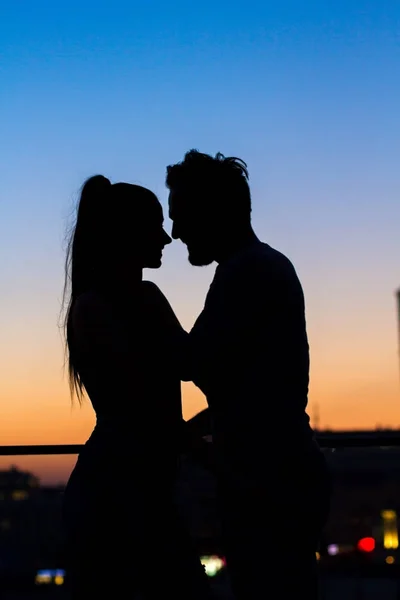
(248, 353)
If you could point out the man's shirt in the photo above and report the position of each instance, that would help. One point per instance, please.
(250, 357)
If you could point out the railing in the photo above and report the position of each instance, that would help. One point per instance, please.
(40, 449)
(355, 581)
(342, 439)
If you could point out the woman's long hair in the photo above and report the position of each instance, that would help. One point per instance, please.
(82, 261)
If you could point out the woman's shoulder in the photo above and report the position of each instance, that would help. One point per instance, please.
(93, 309)
(150, 287)
(158, 303)
(152, 292)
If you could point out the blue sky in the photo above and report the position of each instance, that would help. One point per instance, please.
(308, 93)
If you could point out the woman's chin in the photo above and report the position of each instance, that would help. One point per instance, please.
(154, 263)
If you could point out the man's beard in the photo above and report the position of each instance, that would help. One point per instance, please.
(200, 258)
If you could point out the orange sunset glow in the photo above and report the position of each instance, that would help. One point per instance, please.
(308, 97)
(354, 385)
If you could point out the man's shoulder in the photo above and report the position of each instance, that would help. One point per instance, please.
(260, 259)
(262, 272)
(274, 260)
(270, 256)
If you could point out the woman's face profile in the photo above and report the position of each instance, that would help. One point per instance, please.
(148, 238)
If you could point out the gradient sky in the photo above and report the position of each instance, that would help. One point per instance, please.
(308, 93)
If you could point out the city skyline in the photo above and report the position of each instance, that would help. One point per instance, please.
(307, 95)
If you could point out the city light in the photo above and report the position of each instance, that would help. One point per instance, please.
(43, 577)
(333, 549)
(366, 544)
(390, 532)
(50, 576)
(59, 578)
(212, 564)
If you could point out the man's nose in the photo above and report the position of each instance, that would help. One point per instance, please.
(175, 231)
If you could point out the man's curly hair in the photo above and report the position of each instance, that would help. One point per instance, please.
(223, 180)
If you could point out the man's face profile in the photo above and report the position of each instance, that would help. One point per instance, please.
(190, 225)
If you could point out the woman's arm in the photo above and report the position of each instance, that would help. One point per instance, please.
(177, 337)
(192, 432)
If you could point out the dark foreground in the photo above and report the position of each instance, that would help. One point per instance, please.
(332, 588)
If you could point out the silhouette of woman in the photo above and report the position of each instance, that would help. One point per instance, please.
(123, 532)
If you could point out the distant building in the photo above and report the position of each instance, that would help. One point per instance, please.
(366, 484)
(31, 534)
(17, 485)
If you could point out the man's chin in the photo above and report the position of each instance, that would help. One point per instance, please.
(199, 260)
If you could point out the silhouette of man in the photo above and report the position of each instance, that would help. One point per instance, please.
(248, 352)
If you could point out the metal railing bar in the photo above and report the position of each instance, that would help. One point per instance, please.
(340, 439)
